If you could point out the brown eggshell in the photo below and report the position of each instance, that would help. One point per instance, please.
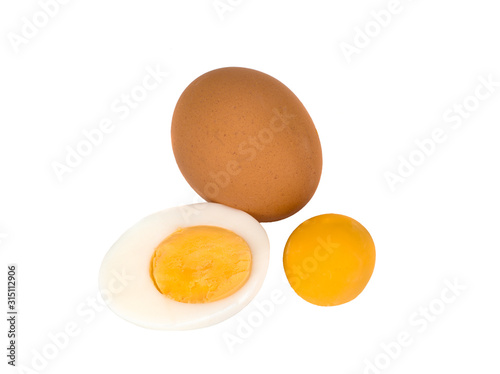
(243, 139)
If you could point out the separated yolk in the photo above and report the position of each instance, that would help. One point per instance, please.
(201, 264)
(329, 259)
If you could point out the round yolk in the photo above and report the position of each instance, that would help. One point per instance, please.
(201, 264)
(329, 259)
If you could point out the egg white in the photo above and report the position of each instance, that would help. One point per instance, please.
(128, 290)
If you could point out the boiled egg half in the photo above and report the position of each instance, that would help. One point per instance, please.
(186, 267)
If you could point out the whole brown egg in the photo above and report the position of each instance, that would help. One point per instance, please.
(243, 139)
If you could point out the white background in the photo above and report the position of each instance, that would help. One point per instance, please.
(440, 224)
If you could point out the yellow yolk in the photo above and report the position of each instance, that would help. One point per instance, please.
(201, 264)
(329, 259)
